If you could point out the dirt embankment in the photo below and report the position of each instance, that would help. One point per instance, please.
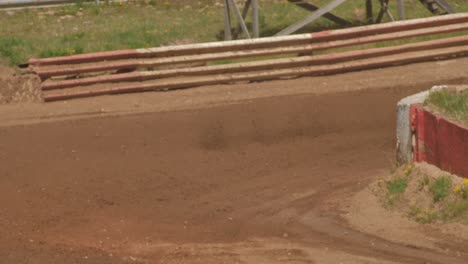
(411, 207)
(15, 88)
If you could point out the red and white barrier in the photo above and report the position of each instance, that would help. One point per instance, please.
(423, 136)
(192, 65)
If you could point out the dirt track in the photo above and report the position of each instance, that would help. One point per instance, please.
(255, 182)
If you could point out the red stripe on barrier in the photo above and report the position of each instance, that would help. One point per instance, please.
(439, 141)
(339, 34)
(453, 147)
(89, 57)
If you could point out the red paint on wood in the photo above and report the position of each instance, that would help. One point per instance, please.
(341, 34)
(324, 33)
(453, 147)
(88, 57)
(439, 141)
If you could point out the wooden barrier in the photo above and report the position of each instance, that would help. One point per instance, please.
(143, 69)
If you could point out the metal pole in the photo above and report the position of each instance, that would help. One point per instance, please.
(387, 11)
(255, 23)
(227, 21)
(314, 16)
(401, 9)
(246, 8)
(369, 11)
(244, 15)
(383, 10)
(310, 7)
(240, 19)
(446, 6)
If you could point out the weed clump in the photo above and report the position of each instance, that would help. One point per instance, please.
(396, 188)
(440, 188)
(425, 196)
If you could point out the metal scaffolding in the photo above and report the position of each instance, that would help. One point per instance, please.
(435, 6)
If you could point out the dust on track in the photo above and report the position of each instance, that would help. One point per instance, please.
(259, 181)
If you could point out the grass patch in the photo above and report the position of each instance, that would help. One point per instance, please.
(13, 49)
(451, 103)
(425, 216)
(456, 210)
(440, 188)
(425, 194)
(397, 186)
(395, 189)
(85, 27)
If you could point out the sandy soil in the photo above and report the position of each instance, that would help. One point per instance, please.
(255, 181)
(18, 88)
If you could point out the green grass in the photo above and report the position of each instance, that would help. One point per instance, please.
(456, 210)
(13, 49)
(88, 28)
(452, 103)
(453, 210)
(424, 198)
(440, 188)
(423, 216)
(396, 188)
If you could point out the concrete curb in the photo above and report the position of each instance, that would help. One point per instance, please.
(404, 131)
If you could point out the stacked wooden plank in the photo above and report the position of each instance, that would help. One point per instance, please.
(184, 66)
(32, 3)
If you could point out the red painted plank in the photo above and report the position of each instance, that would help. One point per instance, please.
(45, 73)
(453, 147)
(251, 66)
(440, 142)
(272, 74)
(256, 43)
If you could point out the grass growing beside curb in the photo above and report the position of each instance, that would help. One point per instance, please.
(451, 103)
(84, 28)
(424, 198)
